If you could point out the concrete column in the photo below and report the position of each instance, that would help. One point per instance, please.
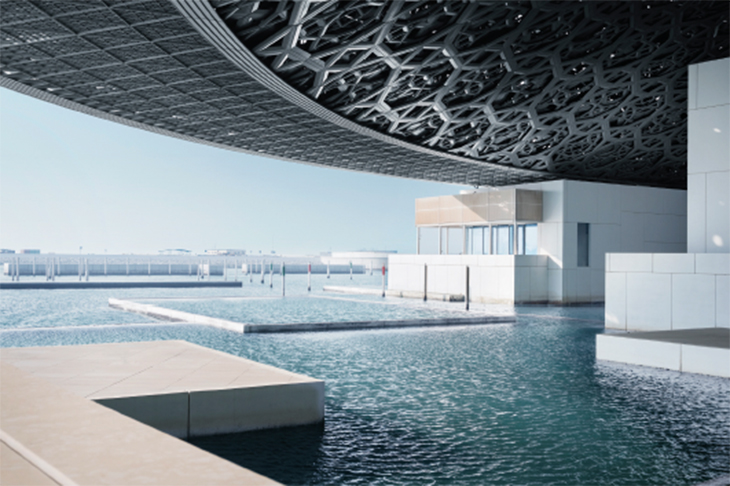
(425, 282)
(466, 290)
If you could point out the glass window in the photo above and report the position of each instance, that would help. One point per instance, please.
(478, 240)
(456, 241)
(502, 239)
(527, 239)
(583, 244)
(429, 241)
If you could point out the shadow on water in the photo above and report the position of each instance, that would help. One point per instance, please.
(346, 448)
(288, 455)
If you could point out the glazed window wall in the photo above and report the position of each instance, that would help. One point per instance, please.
(477, 240)
(527, 239)
(480, 240)
(503, 239)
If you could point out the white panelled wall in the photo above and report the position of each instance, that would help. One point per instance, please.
(620, 219)
(686, 290)
(656, 292)
(708, 158)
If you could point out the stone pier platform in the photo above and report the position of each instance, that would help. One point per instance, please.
(179, 388)
(95, 414)
(704, 351)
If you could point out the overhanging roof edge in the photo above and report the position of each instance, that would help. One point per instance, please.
(206, 21)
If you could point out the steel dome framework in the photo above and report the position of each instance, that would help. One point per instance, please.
(477, 93)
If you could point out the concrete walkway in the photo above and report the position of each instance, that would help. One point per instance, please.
(51, 436)
(705, 351)
(177, 387)
(713, 337)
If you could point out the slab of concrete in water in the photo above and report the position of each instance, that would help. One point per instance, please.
(51, 436)
(172, 315)
(187, 317)
(704, 351)
(115, 285)
(177, 387)
(394, 293)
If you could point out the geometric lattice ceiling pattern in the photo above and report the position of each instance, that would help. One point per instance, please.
(477, 93)
(595, 88)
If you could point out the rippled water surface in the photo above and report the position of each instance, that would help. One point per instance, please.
(292, 310)
(508, 404)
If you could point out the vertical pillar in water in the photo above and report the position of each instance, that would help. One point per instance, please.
(328, 269)
(309, 277)
(235, 273)
(350, 270)
(383, 280)
(105, 273)
(425, 282)
(34, 266)
(271, 275)
(283, 279)
(149, 268)
(262, 271)
(127, 266)
(78, 266)
(249, 270)
(466, 292)
(86, 266)
(225, 265)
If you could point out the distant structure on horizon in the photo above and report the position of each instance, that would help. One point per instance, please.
(224, 252)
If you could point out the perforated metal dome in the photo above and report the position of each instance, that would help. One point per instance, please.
(478, 93)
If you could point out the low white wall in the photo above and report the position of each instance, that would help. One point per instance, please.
(503, 279)
(661, 291)
(658, 354)
(708, 157)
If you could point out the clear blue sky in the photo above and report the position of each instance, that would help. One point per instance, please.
(69, 180)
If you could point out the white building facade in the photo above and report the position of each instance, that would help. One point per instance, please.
(535, 243)
(655, 292)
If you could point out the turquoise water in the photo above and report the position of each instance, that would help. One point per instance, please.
(509, 404)
(299, 309)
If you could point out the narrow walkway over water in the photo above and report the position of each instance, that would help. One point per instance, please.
(51, 436)
(116, 285)
(705, 351)
(177, 387)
